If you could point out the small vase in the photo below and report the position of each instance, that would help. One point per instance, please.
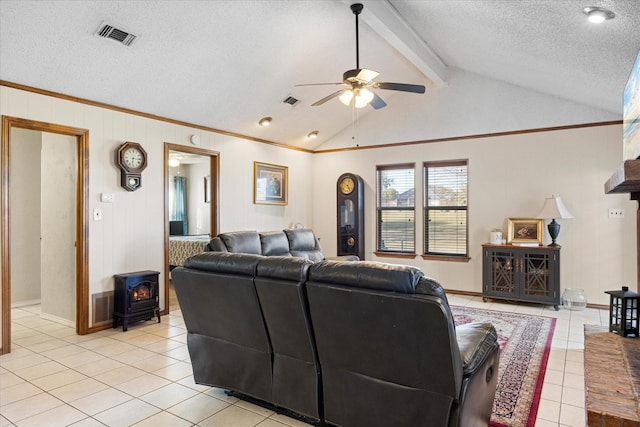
(574, 299)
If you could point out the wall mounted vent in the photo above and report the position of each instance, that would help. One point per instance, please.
(290, 100)
(110, 32)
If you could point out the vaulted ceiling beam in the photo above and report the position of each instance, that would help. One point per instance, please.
(384, 19)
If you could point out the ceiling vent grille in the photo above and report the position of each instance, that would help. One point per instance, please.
(112, 33)
(290, 100)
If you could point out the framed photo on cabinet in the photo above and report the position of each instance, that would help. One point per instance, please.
(525, 230)
(270, 184)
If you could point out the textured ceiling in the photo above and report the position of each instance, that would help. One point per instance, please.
(226, 64)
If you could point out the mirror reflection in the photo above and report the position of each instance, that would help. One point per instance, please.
(189, 194)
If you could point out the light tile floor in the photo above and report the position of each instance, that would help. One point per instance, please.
(143, 377)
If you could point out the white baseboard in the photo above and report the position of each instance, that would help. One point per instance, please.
(57, 319)
(25, 303)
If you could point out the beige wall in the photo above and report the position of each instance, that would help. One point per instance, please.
(25, 216)
(509, 177)
(58, 218)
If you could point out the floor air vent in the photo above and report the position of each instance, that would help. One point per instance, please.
(112, 33)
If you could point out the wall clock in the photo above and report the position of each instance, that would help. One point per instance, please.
(132, 160)
(350, 193)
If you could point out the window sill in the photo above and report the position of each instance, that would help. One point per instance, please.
(395, 255)
(449, 258)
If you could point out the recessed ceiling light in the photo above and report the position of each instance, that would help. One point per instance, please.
(598, 15)
(265, 121)
(313, 134)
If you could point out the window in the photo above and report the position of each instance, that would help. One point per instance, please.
(445, 208)
(396, 208)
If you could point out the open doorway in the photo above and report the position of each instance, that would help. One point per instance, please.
(191, 206)
(78, 148)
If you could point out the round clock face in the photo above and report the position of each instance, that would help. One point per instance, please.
(133, 158)
(347, 185)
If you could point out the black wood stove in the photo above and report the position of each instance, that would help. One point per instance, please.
(136, 297)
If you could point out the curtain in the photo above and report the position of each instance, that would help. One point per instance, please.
(180, 201)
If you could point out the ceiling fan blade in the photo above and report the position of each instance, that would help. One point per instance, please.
(328, 98)
(404, 87)
(377, 102)
(366, 76)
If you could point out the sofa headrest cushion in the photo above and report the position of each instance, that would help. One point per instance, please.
(286, 268)
(368, 275)
(274, 243)
(301, 239)
(246, 242)
(216, 244)
(224, 262)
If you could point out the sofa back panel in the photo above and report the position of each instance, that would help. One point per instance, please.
(404, 339)
(280, 286)
(246, 242)
(224, 263)
(351, 399)
(224, 364)
(224, 306)
(274, 243)
(368, 275)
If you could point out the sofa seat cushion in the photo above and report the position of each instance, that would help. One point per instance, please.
(368, 275)
(246, 242)
(274, 243)
(476, 342)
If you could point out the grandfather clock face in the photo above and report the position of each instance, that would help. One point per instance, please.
(350, 215)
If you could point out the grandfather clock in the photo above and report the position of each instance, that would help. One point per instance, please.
(350, 215)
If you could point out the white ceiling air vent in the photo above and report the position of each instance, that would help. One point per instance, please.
(110, 32)
(291, 100)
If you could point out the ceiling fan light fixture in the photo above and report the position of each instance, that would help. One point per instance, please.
(265, 121)
(313, 134)
(174, 163)
(346, 97)
(598, 15)
(364, 98)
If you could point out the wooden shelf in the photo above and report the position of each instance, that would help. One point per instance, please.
(626, 179)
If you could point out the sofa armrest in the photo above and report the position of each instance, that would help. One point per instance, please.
(344, 258)
(476, 342)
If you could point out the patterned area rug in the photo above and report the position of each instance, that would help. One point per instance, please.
(525, 342)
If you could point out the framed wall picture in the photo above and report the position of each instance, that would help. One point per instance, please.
(525, 230)
(270, 184)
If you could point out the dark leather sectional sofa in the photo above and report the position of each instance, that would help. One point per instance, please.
(340, 343)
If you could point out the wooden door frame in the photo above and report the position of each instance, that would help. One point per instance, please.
(214, 168)
(82, 222)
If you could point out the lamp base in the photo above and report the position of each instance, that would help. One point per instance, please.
(554, 230)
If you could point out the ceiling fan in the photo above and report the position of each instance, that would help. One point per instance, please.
(360, 80)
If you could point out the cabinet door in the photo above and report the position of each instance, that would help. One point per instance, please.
(501, 271)
(538, 272)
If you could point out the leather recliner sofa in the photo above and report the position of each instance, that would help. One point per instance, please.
(344, 343)
(300, 242)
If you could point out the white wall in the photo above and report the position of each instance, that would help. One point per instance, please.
(130, 236)
(509, 177)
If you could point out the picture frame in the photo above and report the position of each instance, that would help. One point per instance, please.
(270, 184)
(207, 189)
(525, 230)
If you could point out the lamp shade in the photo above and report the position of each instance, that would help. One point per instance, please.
(554, 208)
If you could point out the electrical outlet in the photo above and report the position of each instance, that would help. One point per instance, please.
(616, 213)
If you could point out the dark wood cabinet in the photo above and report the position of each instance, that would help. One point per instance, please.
(518, 273)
